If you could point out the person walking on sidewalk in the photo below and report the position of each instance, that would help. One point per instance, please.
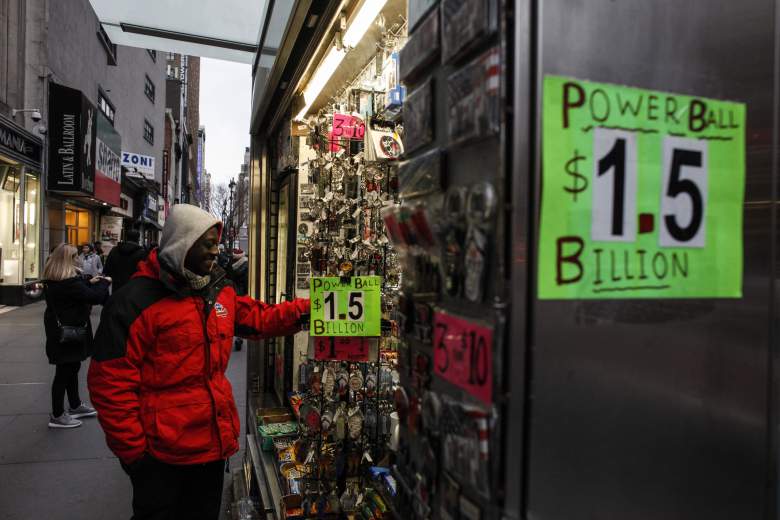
(90, 261)
(157, 377)
(69, 299)
(122, 261)
(239, 274)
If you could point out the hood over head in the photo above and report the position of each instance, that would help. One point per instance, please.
(183, 227)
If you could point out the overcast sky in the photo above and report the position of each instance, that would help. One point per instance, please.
(225, 97)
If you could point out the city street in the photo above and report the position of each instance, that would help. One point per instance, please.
(58, 474)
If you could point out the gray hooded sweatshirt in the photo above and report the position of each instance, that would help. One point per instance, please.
(183, 227)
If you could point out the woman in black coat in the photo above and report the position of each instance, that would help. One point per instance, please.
(69, 300)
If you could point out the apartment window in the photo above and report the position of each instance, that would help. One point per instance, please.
(149, 88)
(171, 56)
(148, 132)
(108, 46)
(152, 54)
(106, 106)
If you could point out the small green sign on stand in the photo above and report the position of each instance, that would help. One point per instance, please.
(346, 306)
(642, 193)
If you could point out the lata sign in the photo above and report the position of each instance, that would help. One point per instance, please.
(463, 355)
(72, 134)
(346, 306)
(642, 193)
(138, 166)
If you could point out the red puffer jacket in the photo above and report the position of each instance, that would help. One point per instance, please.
(158, 376)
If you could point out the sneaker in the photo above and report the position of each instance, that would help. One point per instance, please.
(82, 411)
(63, 421)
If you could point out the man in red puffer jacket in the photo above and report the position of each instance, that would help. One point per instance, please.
(157, 378)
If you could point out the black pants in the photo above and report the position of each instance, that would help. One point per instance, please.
(167, 492)
(66, 378)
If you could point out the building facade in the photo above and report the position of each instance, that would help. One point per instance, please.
(183, 99)
(105, 108)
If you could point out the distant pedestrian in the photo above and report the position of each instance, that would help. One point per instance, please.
(238, 272)
(100, 252)
(158, 373)
(223, 258)
(90, 261)
(69, 299)
(122, 261)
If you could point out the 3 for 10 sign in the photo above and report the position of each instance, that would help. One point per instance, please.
(463, 355)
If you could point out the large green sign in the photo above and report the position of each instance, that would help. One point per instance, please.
(642, 193)
(346, 307)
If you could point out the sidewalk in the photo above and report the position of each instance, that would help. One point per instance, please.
(59, 474)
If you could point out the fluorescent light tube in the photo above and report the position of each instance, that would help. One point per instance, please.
(368, 12)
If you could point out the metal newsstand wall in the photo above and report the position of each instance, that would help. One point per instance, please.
(646, 409)
(465, 164)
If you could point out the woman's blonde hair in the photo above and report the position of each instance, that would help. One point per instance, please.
(61, 264)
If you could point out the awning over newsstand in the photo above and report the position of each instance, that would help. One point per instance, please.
(222, 29)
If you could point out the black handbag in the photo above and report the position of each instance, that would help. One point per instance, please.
(73, 333)
(70, 333)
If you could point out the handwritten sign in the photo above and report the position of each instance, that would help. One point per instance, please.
(341, 349)
(346, 306)
(463, 355)
(349, 127)
(642, 193)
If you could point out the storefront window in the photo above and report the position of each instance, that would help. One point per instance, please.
(10, 222)
(78, 224)
(32, 207)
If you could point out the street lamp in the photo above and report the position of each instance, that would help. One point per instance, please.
(232, 187)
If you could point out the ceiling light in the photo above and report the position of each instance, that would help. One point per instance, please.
(321, 76)
(360, 24)
(365, 16)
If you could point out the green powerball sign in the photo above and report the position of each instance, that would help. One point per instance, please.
(346, 307)
(642, 193)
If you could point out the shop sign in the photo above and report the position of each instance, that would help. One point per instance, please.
(138, 166)
(15, 143)
(108, 172)
(642, 193)
(110, 232)
(350, 306)
(463, 354)
(72, 134)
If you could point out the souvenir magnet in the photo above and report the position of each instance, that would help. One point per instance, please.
(475, 264)
(481, 204)
(450, 495)
(469, 510)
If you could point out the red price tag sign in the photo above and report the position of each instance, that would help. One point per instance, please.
(349, 127)
(463, 355)
(340, 348)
